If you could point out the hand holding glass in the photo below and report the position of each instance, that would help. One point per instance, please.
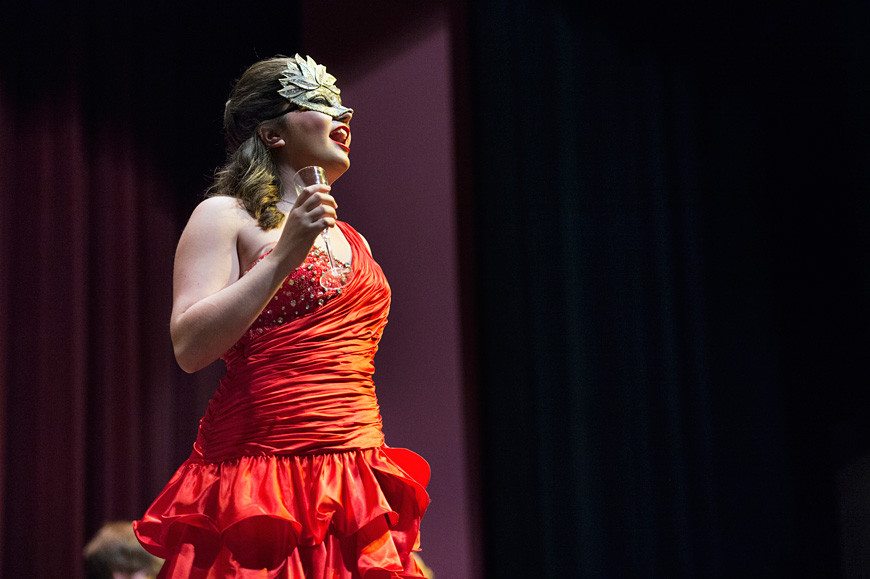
(337, 276)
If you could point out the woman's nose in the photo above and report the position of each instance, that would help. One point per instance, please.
(345, 116)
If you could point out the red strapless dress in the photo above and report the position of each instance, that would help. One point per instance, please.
(289, 476)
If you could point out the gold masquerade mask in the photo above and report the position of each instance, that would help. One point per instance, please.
(308, 86)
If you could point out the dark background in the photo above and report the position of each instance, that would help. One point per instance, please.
(661, 210)
(673, 375)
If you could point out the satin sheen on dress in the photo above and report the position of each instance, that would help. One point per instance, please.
(289, 476)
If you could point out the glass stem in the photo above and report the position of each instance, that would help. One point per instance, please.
(325, 235)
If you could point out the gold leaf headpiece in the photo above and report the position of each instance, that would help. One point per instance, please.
(307, 85)
(304, 75)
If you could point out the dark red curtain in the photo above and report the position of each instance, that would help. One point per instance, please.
(108, 132)
(87, 239)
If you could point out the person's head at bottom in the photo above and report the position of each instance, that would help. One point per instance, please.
(115, 553)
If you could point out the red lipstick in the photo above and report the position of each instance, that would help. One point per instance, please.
(341, 137)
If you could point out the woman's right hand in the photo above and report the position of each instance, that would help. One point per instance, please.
(313, 211)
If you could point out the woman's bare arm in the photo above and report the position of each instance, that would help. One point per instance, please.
(212, 307)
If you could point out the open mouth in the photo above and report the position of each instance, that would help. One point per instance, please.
(341, 136)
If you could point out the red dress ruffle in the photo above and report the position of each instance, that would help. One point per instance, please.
(289, 476)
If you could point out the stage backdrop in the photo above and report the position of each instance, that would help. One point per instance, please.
(670, 229)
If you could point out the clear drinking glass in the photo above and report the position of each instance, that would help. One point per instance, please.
(337, 276)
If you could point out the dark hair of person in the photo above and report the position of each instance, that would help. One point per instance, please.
(250, 174)
(115, 549)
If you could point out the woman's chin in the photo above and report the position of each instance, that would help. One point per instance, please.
(336, 169)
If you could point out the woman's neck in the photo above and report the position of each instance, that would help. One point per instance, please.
(288, 189)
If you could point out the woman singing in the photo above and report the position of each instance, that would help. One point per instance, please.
(289, 476)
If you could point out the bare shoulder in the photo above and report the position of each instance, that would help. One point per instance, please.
(220, 207)
(215, 218)
(206, 254)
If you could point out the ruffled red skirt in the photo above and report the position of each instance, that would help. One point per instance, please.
(345, 515)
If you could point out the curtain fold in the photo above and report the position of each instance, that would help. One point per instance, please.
(4, 317)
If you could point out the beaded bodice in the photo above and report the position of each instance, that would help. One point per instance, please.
(300, 294)
(301, 378)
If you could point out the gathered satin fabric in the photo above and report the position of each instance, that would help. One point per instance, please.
(289, 476)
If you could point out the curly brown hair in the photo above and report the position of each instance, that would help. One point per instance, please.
(115, 549)
(250, 174)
